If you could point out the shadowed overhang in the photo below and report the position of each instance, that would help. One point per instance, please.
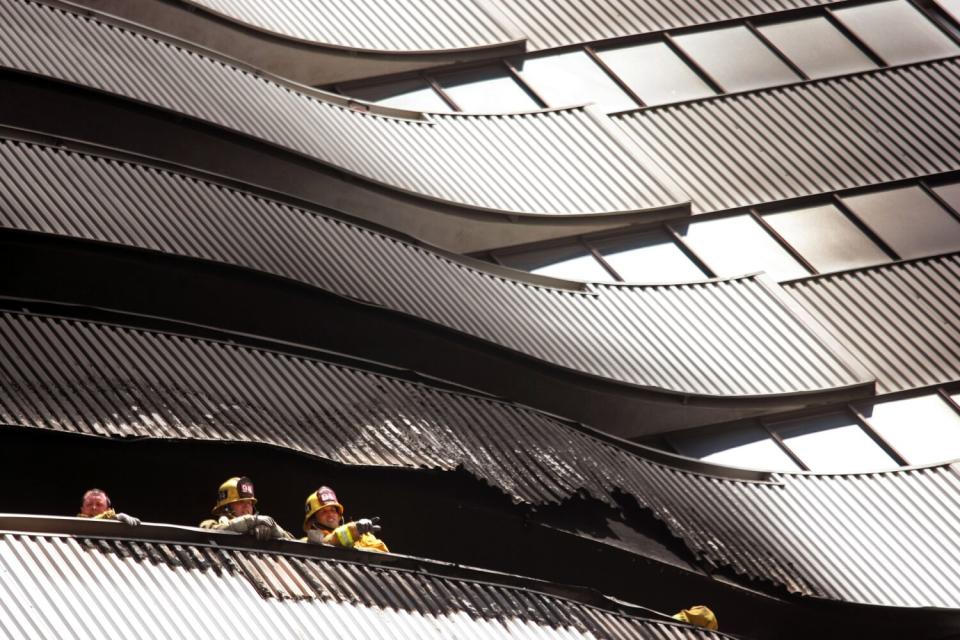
(565, 162)
(739, 338)
(791, 529)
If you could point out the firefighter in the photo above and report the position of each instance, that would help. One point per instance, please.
(96, 505)
(235, 511)
(323, 524)
(700, 616)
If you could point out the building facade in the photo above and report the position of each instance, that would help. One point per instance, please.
(607, 309)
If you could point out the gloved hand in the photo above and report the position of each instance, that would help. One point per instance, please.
(369, 525)
(127, 520)
(262, 532)
(243, 524)
(316, 536)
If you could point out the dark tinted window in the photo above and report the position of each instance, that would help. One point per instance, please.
(571, 79)
(490, 89)
(833, 54)
(655, 73)
(735, 58)
(413, 94)
(896, 31)
(909, 220)
(826, 238)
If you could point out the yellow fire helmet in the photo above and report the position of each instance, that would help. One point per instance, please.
(322, 497)
(238, 489)
(700, 616)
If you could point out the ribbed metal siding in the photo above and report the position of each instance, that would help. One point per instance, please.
(558, 162)
(554, 23)
(731, 338)
(805, 139)
(68, 587)
(901, 321)
(385, 25)
(819, 535)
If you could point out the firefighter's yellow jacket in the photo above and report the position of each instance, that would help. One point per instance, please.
(109, 514)
(345, 536)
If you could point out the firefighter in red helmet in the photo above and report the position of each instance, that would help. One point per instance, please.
(323, 523)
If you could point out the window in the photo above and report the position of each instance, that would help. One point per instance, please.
(896, 31)
(735, 58)
(826, 238)
(908, 220)
(572, 79)
(833, 54)
(648, 257)
(488, 90)
(923, 429)
(738, 245)
(950, 194)
(571, 262)
(655, 73)
(833, 443)
(413, 94)
(749, 447)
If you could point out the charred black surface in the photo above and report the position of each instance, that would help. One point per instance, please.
(445, 516)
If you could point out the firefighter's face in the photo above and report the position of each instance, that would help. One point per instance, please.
(94, 503)
(328, 517)
(243, 508)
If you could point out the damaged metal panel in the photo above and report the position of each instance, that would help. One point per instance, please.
(561, 162)
(378, 25)
(735, 338)
(817, 535)
(809, 138)
(902, 321)
(555, 23)
(52, 584)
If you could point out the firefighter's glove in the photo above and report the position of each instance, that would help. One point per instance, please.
(369, 525)
(130, 521)
(242, 524)
(262, 532)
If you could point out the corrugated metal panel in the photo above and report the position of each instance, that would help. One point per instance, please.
(888, 538)
(902, 321)
(554, 23)
(810, 138)
(384, 25)
(731, 338)
(556, 162)
(70, 587)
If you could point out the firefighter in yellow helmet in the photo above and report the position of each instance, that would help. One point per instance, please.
(700, 616)
(235, 511)
(96, 505)
(323, 523)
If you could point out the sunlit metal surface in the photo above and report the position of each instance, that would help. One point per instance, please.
(386, 25)
(728, 338)
(807, 139)
(554, 23)
(902, 321)
(73, 587)
(885, 538)
(563, 162)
